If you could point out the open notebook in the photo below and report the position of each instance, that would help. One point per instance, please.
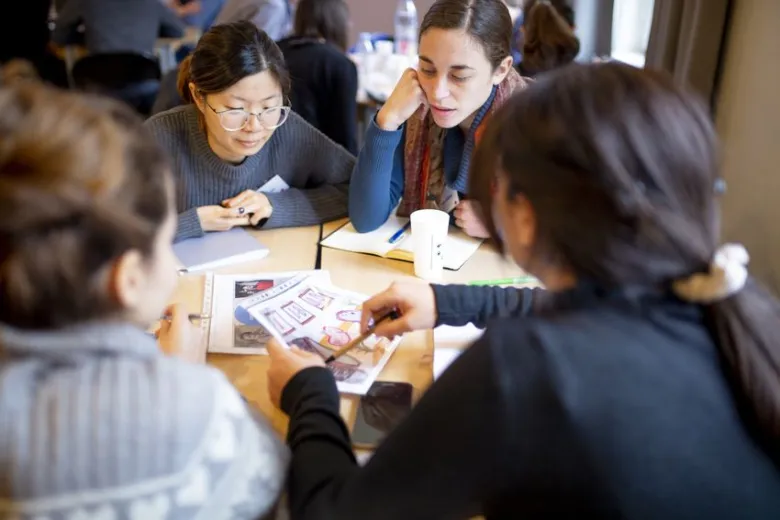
(458, 247)
(216, 249)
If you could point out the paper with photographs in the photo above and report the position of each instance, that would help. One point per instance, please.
(319, 318)
(236, 331)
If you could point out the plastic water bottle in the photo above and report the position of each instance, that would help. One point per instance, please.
(406, 29)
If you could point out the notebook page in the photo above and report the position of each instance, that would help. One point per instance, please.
(376, 242)
(457, 249)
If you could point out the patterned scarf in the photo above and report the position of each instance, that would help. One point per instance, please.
(423, 157)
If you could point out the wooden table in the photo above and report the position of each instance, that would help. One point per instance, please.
(291, 249)
(296, 249)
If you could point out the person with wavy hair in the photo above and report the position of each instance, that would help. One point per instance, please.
(98, 419)
(643, 383)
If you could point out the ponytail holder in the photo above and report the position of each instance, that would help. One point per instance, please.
(727, 276)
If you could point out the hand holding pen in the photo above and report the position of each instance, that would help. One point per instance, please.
(177, 335)
(412, 300)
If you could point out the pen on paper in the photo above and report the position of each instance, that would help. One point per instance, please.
(398, 235)
(392, 315)
(191, 317)
(505, 281)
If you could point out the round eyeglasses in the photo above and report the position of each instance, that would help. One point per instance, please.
(234, 119)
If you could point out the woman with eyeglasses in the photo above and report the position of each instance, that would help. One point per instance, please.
(240, 155)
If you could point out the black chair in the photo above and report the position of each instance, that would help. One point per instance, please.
(134, 78)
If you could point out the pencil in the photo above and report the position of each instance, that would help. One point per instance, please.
(505, 281)
(392, 315)
(191, 317)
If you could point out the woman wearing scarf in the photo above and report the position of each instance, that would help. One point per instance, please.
(418, 148)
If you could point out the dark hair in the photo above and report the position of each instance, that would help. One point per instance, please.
(226, 54)
(97, 186)
(621, 168)
(549, 40)
(487, 21)
(328, 19)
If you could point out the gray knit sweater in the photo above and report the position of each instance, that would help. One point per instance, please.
(96, 423)
(316, 169)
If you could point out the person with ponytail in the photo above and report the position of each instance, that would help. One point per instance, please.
(643, 383)
(237, 132)
(418, 149)
(547, 35)
(98, 418)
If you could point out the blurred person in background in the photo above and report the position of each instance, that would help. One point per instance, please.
(196, 13)
(274, 17)
(116, 25)
(324, 79)
(547, 35)
(25, 35)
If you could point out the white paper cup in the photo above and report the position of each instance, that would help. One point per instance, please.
(429, 231)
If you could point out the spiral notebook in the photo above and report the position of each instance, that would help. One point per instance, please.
(458, 247)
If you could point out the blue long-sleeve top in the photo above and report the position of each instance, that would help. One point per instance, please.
(379, 176)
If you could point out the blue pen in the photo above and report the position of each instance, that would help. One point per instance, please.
(400, 233)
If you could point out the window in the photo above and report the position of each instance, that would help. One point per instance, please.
(631, 21)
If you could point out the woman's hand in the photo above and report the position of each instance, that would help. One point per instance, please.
(177, 335)
(413, 300)
(406, 98)
(252, 203)
(217, 218)
(467, 218)
(284, 365)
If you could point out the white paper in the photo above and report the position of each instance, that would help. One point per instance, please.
(457, 249)
(321, 319)
(275, 185)
(449, 343)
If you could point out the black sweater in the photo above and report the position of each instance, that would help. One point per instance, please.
(610, 404)
(324, 88)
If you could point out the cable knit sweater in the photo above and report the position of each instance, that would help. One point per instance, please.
(97, 424)
(316, 169)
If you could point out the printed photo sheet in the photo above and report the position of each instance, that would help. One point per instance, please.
(233, 330)
(319, 318)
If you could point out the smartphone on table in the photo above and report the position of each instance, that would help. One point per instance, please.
(379, 411)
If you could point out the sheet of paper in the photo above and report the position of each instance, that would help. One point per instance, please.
(449, 343)
(376, 242)
(457, 249)
(320, 319)
(275, 185)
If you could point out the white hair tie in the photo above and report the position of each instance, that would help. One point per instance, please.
(726, 277)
